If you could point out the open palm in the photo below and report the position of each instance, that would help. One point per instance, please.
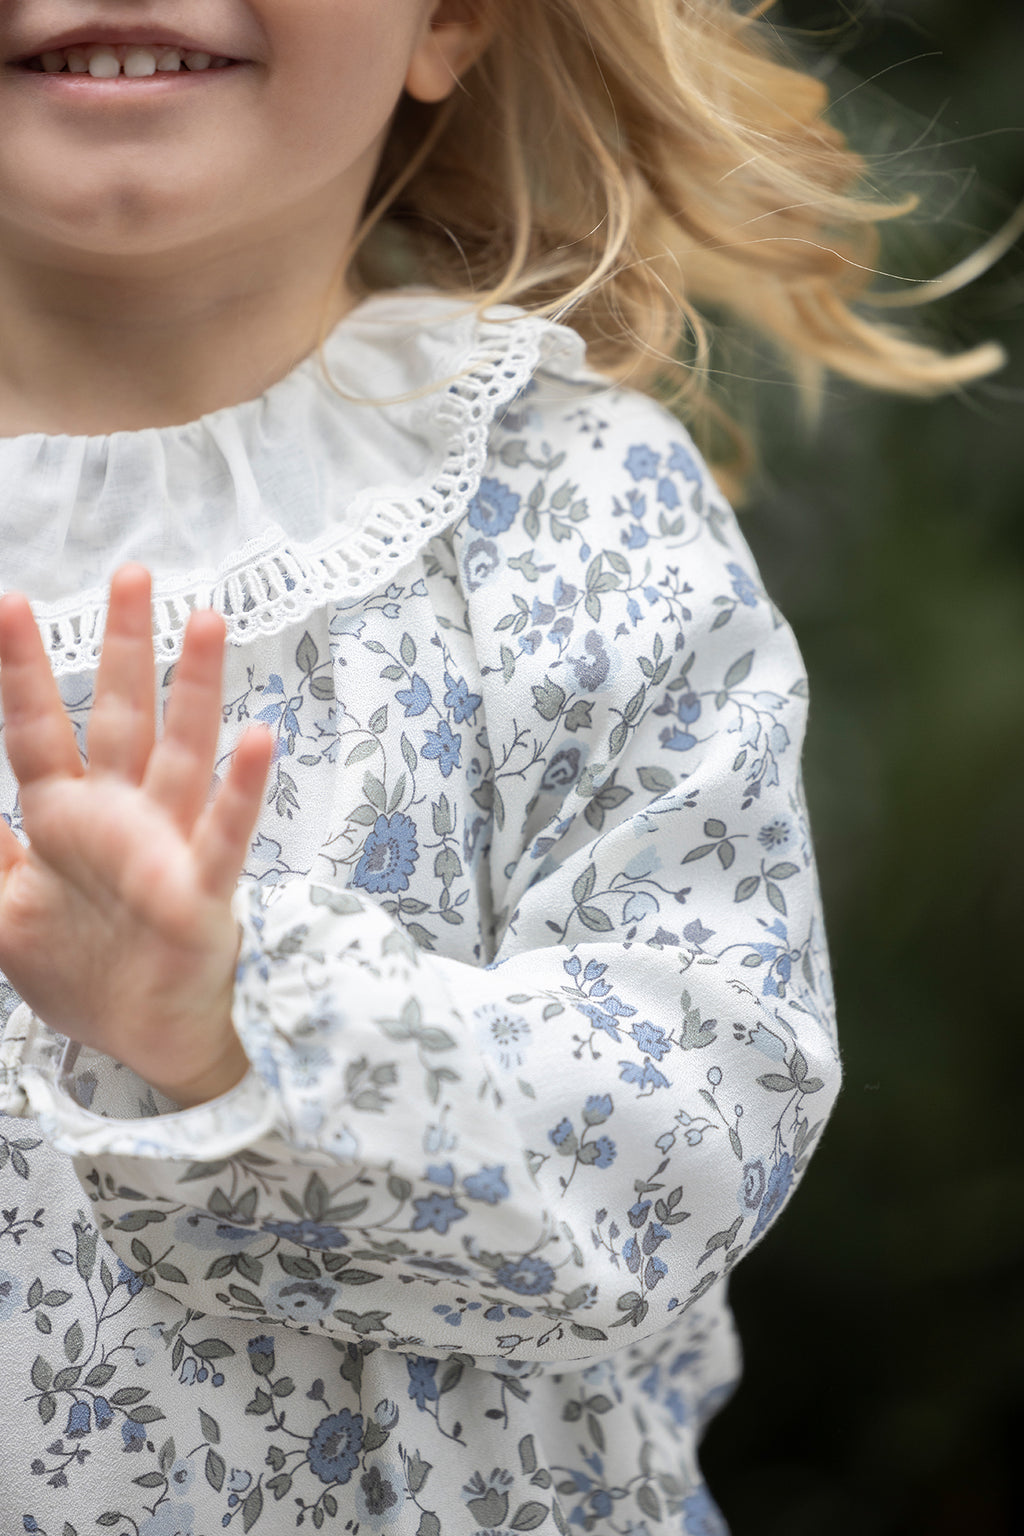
(115, 922)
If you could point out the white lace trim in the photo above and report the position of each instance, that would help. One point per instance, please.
(272, 582)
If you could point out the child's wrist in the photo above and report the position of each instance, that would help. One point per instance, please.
(226, 1073)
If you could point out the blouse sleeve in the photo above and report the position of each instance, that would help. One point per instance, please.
(550, 1155)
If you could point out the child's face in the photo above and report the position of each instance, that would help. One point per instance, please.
(285, 145)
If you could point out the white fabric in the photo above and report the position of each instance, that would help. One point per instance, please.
(533, 982)
(268, 509)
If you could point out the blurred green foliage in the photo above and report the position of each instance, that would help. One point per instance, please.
(882, 1321)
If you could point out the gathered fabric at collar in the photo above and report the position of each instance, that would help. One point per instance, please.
(268, 509)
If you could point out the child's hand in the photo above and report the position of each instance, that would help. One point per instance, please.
(115, 924)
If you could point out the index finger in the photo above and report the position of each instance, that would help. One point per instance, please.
(39, 737)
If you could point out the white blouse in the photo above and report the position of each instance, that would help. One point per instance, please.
(533, 986)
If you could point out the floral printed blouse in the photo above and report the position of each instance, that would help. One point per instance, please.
(533, 981)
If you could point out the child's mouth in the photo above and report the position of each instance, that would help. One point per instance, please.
(105, 64)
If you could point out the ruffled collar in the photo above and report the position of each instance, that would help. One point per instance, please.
(269, 509)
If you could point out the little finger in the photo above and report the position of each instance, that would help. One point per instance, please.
(220, 841)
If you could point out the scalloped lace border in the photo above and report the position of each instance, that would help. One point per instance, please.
(271, 583)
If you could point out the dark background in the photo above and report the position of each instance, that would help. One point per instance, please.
(882, 1320)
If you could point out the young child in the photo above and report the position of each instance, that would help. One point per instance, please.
(383, 1128)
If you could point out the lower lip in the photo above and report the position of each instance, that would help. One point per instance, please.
(85, 88)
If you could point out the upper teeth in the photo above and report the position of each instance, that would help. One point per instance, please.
(104, 62)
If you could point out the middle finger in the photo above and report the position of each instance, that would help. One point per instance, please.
(121, 723)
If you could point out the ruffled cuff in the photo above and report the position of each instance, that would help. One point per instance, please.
(36, 1084)
(307, 952)
(45, 1077)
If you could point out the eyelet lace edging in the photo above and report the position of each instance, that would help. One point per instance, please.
(272, 582)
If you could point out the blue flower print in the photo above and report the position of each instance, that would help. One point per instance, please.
(697, 934)
(683, 463)
(468, 1260)
(437, 1211)
(753, 1186)
(177, 1519)
(79, 1421)
(125, 1276)
(637, 1213)
(11, 1294)
(654, 1236)
(308, 1234)
(651, 1039)
(561, 1133)
(347, 624)
(504, 1034)
(480, 563)
(526, 1276)
(201, 1230)
(644, 1077)
(541, 612)
(335, 1446)
(563, 593)
(386, 1413)
(416, 697)
(444, 746)
(389, 855)
(779, 1180)
(563, 769)
(300, 1301)
(496, 1314)
(476, 839)
(667, 493)
(181, 1476)
(133, 1435)
(642, 462)
(494, 507)
(742, 585)
(634, 537)
(379, 1497)
(639, 905)
(422, 1380)
(459, 700)
(489, 1185)
(597, 1109)
(593, 666)
(604, 1018)
(677, 741)
(775, 834)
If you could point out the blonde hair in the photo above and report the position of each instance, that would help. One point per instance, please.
(629, 164)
